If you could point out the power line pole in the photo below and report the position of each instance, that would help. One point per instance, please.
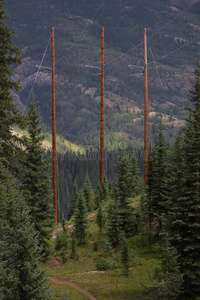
(54, 156)
(145, 109)
(102, 109)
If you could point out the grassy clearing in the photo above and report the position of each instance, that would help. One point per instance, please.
(107, 284)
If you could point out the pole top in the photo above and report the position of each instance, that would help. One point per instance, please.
(52, 28)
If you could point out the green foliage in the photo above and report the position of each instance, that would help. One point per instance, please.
(73, 254)
(73, 200)
(114, 228)
(168, 279)
(87, 193)
(61, 240)
(103, 264)
(80, 221)
(35, 177)
(21, 274)
(9, 113)
(100, 218)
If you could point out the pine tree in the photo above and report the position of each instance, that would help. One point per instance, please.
(168, 279)
(159, 160)
(189, 243)
(74, 200)
(134, 175)
(35, 177)
(100, 218)
(9, 114)
(21, 275)
(80, 221)
(114, 228)
(123, 193)
(87, 193)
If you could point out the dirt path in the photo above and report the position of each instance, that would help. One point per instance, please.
(73, 285)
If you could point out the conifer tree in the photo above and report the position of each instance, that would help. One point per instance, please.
(35, 177)
(187, 241)
(80, 221)
(87, 193)
(123, 193)
(134, 175)
(158, 200)
(9, 114)
(168, 279)
(114, 228)
(100, 219)
(21, 275)
(74, 200)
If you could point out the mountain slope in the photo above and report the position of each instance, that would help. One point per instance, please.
(78, 43)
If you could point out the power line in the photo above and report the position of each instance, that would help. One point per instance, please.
(161, 28)
(39, 67)
(155, 66)
(72, 45)
(176, 50)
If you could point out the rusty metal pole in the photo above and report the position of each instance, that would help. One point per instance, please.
(102, 109)
(54, 156)
(145, 109)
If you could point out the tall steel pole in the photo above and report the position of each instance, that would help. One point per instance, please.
(54, 156)
(102, 109)
(145, 109)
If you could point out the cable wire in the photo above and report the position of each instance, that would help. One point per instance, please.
(39, 67)
(155, 66)
(161, 28)
(176, 50)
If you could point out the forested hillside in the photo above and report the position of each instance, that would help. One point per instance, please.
(78, 41)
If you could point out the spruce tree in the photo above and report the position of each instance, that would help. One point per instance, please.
(21, 274)
(36, 178)
(74, 200)
(114, 227)
(159, 165)
(9, 114)
(189, 243)
(100, 219)
(167, 279)
(87, 193)
(80, 221)
(123, 193)
(134, 175)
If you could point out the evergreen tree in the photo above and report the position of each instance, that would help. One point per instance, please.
(100, 218)
(114, 228)
(35, 177)
(9, 114)
(21, 275)
(134, 175)
(159, 160)
(123, 193)
(87, 193)
(188, 240)
(80, 221)
(73, 254)
(74, 200)
(168, 279)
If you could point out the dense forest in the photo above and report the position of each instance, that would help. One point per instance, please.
(138, 239)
